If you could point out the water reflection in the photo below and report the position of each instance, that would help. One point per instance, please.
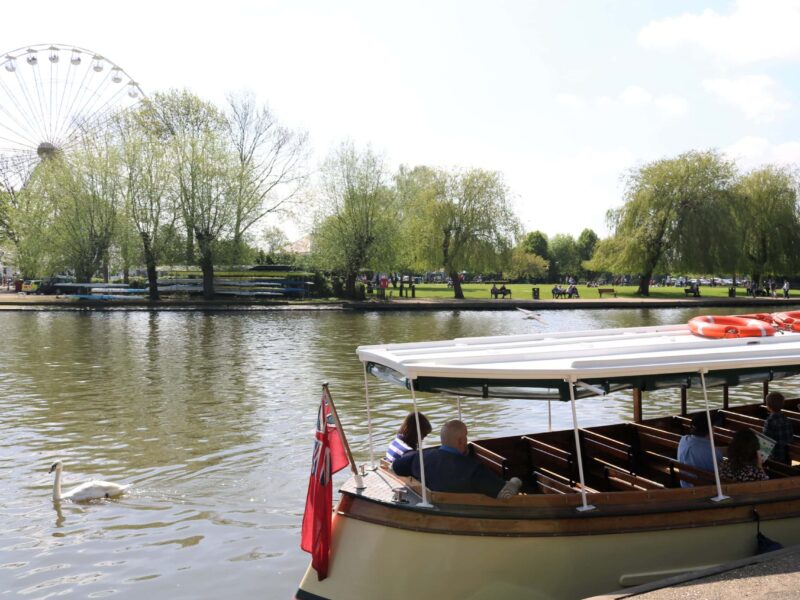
(210, 417)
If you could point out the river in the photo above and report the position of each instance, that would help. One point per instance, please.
(210, 418)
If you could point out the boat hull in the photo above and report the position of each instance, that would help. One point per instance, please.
(373, 560)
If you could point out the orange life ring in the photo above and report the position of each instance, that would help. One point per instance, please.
(788, 320)
(710, 326)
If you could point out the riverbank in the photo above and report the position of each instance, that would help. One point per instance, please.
(13, 301)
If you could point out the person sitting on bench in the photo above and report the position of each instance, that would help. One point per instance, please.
(695, 449)
(504, 291)
(572, 291)
(449, 468)
(494, 291)
(558, 292)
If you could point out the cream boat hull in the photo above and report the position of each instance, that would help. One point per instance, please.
(371, 560)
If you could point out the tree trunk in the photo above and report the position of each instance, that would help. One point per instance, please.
(644, 284)
(189, 246)
(126, 274)
(458, 293)
(350, 285)
(150, 262)
(207, 266)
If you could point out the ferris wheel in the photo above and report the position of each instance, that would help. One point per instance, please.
(52, 94)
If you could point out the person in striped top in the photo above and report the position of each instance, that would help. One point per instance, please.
(406, 438)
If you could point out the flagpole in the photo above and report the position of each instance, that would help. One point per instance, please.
(359, 481)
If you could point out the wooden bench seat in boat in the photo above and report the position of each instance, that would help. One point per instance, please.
(549, 482)
(607, 448)
(624, 481)
(658, 440)
(675, 470)
(549, 457)
(493, 460)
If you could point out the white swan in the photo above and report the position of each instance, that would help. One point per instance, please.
(91, 490)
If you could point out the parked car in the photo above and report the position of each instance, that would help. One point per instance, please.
(31, 286)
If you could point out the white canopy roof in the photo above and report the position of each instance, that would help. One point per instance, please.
(608, 356)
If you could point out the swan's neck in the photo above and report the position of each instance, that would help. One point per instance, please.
(57, 486)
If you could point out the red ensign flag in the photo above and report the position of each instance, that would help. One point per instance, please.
(328, 458)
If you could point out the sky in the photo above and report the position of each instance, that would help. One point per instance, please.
(564, 98)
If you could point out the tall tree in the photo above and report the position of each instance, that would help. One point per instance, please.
(356, 215)
(270, 163)
(205, 171)
(587, 242)
(564, 256)
(769, 222)
(150, 189)
(536, 242)
(86, 191)
(467, 224)
(678, 214)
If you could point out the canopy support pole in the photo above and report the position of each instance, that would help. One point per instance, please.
(637, 405)
(549, 416)
(458, 401)
(725, 397)
(586, 505)
(766, 391)
(369, 420)
(684, 397)
(424, 503)
(720, 496)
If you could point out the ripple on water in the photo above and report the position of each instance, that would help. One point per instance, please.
(210, 418)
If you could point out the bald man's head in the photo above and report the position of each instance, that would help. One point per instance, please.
(454, 434)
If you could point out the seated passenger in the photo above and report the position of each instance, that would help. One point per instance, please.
(744, 461)
(695, 449)
(449, 468)
(406, 438)
(778, 427)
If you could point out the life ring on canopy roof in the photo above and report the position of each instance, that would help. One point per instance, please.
(710, 326)
(788, 320)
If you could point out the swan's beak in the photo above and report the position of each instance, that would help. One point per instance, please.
(53, 468)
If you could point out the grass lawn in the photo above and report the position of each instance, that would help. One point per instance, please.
(523, 291)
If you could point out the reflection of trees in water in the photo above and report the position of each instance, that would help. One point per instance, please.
(136, 388)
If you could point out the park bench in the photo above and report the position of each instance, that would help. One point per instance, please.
(602, 291)
(694, 291)
(500, 293)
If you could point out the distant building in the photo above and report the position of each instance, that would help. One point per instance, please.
(301, 247)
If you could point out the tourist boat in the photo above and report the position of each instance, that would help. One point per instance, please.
(601, 507)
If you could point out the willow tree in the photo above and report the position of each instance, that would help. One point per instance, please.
(86, 191)
(463, 221)
(678, 214)
(769, 222)
(356, 215)
(149, 189)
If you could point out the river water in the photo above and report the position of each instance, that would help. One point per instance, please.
(210, 418)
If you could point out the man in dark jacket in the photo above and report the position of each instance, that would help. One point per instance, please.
(449, 468)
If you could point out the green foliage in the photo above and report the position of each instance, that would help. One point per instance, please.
(357, 214)
(526, 266)
(564, 257)
(678, 215)
(460, 221)
(537, 243)
(768, 219)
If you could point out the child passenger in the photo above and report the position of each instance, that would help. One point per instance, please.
(406, 438)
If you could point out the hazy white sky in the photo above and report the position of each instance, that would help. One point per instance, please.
(562, 97)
